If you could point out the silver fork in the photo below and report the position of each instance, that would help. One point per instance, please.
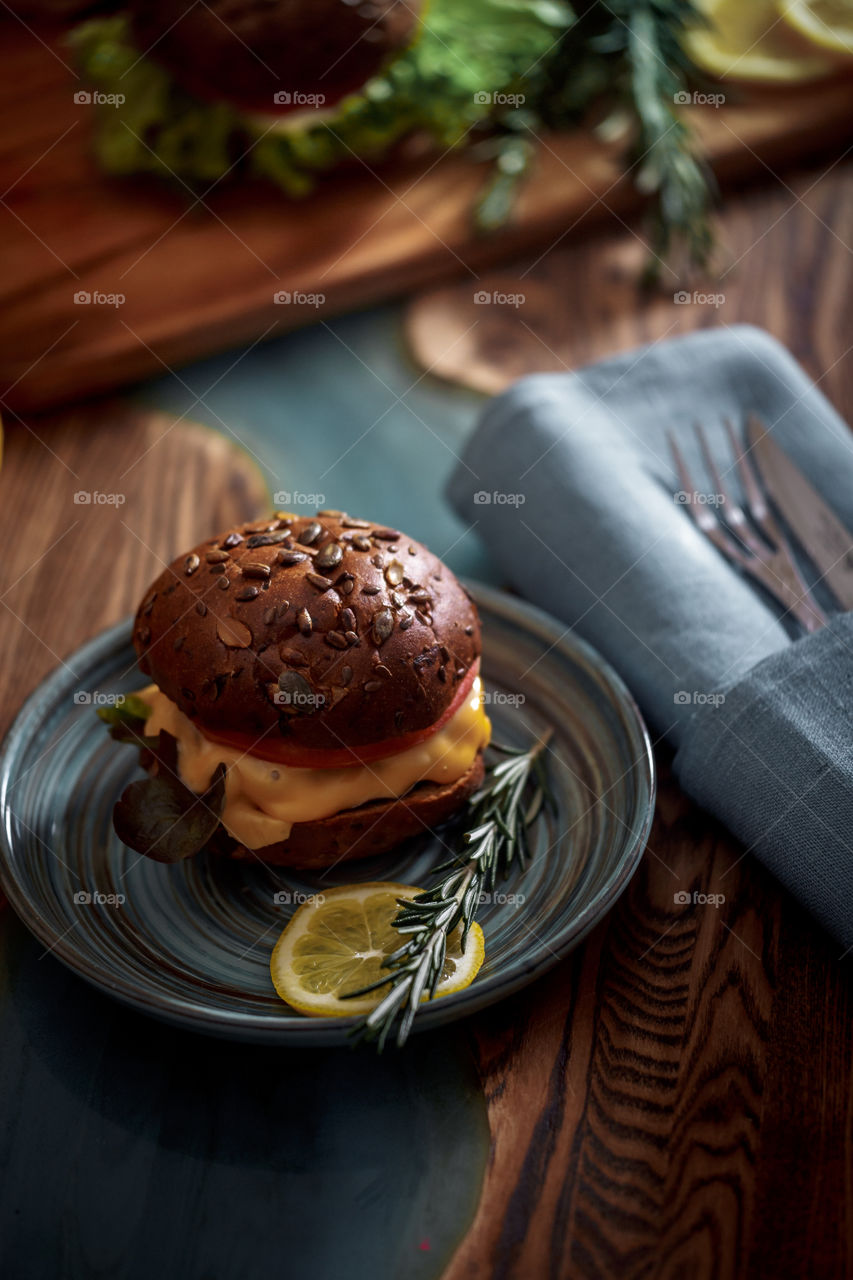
(769, 562)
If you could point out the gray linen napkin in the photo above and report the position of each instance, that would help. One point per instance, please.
(570, 481)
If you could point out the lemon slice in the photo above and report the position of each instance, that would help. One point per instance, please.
(826, 23)
(749, 41)
(336, 943)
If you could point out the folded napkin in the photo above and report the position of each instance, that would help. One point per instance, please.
(570, 481)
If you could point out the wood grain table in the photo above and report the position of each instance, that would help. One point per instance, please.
(201, 271)
(674, 1100)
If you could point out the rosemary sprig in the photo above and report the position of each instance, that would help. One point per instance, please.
(624, 58)
(500, 813)
(669, 168)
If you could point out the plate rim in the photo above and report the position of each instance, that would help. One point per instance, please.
(314, 1032)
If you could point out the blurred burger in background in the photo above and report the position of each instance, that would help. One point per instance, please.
(287, 89)
(273, 56)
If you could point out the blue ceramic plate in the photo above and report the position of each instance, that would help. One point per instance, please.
(191, 943)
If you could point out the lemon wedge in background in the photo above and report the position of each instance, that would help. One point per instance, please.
(336, 943)
(749, 40)
(826, 23)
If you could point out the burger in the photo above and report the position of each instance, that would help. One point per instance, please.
(290, 90)
(273, 55)
(314, 695)
(255, 55)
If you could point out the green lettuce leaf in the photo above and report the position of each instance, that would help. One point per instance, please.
(126, 719)
(127, 708)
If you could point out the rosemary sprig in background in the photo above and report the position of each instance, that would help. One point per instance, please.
(623, 60)
(497, 820)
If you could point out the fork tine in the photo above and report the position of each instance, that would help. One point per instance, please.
(773, 567)
(680, 465)
(754, 496)
(685, 480)
(756, 502)
(706, 521)
(710, 463)
(733, 516)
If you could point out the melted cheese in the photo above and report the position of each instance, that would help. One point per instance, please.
(263, 799)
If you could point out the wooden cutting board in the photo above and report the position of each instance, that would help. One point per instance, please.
(201, 277)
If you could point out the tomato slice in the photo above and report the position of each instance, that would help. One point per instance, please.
(280, 751)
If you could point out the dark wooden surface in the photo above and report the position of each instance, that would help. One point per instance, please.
(676, 1099)
(69, 568)
(200, 276)
(129, 1149)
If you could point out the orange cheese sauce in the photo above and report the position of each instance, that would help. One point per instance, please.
(263, 799)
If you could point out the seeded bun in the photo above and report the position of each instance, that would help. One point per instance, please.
(247, 51)
(325, 630)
